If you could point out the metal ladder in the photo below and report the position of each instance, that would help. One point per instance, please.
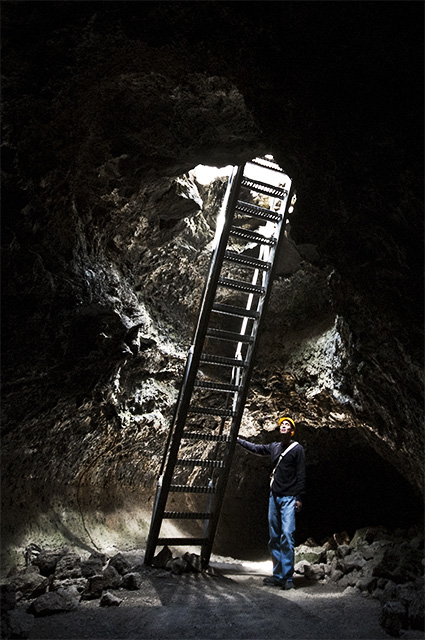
(202, 437)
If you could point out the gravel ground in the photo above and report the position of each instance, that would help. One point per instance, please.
(233, 603)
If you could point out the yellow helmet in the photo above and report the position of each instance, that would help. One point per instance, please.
(289, 420)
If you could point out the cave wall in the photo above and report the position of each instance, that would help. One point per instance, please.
(106, 242)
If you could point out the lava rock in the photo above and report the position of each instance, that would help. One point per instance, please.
(94, 588)
(131, 581)
(69, 566)
(314, 571)
(161, 559)
(109, 600)
(313, 555)
(28, 582)
(91, 567)
(121, 564)
(193, 561)
(177, 566)
(54, 602)
(47, 561)
(111, 577)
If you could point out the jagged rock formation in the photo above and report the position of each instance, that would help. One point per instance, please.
(106, 242)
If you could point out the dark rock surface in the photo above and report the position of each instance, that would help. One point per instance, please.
(107, 107)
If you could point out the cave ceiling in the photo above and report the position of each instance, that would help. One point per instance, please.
(106, 240)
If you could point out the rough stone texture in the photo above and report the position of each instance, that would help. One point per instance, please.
(109, 600)
(131, 581)
(54, 602)
(120, 564)
(94, 588)
(111, 577)
(106, 109)
(28, 583)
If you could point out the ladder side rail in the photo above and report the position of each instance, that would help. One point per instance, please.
(181, 410)
(206, 548)
(232, 184)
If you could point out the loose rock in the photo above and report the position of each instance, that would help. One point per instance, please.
(54, 602)
(109, 600)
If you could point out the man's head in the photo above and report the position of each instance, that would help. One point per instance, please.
(286, 426)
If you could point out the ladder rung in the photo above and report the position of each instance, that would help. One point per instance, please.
(235, 311)
(216, 386)
(192, 462)
(205, 436)
(241, 286)
(185, 515)
(180, 542)
(230, 335)
(267, 164)
(222, 361)
(247, 261)
(251, 236)
(262, 187)
(225, 413)
(255, 211)
(187, 488)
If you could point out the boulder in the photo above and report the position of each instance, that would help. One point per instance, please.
(54, 602)
(367, 535)
(193, 561)
(177, 566)
(109, 600)
(79, 584)
(300, 566)
(349, 579)
(350, 562)
(131, 581)
(120, 563)
(313, 555)
(47, 561)
(91, 567)
(68, 566)
(367, 582)
(400, 564)
(29, 583)
(94, 588)
(111, 578)
(161, 559)
(314, 571)
(335, 575)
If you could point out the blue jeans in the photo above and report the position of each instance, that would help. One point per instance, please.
(281, 529)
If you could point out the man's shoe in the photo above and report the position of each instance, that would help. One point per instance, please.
(288, 585)
(271, 582)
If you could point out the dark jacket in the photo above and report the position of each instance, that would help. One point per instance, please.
(289, 477)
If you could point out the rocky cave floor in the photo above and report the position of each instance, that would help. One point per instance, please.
(370, 586)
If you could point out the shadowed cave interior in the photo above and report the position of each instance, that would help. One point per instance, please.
(108, 108)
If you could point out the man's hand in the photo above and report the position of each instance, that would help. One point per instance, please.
(298, 505)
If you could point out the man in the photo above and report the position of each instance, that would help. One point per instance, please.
(287, 487)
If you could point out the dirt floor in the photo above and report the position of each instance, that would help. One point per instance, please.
(232, 603)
